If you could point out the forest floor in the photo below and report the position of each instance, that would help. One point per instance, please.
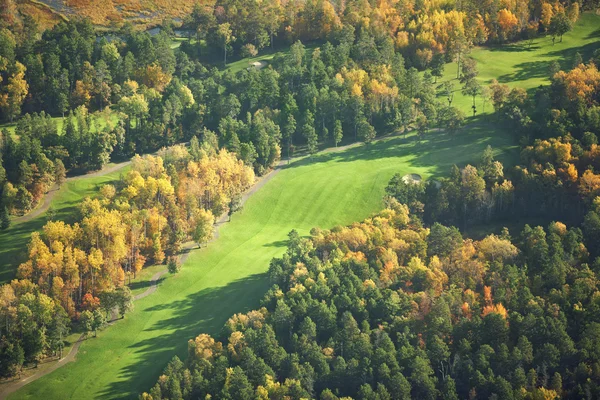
(328, 189)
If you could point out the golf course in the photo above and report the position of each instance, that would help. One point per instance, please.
(332, 187)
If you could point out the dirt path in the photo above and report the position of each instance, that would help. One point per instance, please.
(12, 387)
(43, 207)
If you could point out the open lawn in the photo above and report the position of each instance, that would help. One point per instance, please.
(266, 56)
(13, 248)
(229, 275)
(524, 64)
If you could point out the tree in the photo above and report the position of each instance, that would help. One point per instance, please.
(98, 321)
(507, 22)
(288, 133)
(16, 92)
(203, 226)
(366, 132)
(86, 319)
(453, 119)
(173, 264)
(338, 132)
(225, 34)
(559, 25)
(123, 300)
(58, 330)
(309, 133)
(577, 60)
(4, 218)
(437, 66)
(422, 125)
(60, 173)
(472, 88)
(235, 205)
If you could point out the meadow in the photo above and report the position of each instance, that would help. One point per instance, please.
(331, 188)
(524, 64)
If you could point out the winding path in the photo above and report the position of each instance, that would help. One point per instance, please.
(43, 207)
(9, 388)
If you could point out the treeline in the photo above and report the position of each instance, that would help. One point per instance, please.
(76, 270)
(388, 309)
(419, 30)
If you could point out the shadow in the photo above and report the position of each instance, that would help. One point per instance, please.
(513, 48)
(203, 312)
(541, 69)
(145, 284)
(13, 246)
(14, 240)
(278, 243)
(438, 151)
(594, 35)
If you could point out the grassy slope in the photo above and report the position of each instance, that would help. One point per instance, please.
(521, 65)
(100, 120)
(13, 248)
(229, 276)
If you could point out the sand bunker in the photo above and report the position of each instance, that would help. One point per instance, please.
(412, 178)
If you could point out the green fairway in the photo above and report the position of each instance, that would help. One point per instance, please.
(523, 64)
(229, 275)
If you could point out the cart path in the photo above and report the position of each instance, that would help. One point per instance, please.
(187, 249)
(48, 197)
(9, 388)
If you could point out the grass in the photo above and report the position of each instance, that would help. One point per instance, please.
(13, 248)
(100, 120)
(229, 275)
(267, 56)
(332, 188)
(523, 65)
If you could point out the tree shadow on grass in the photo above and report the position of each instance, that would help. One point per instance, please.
(203, 312)
(594, 35)
(514, 48)
(277, 243)
(145, 284)
(541, 69)
(438, 151)
(13, 246)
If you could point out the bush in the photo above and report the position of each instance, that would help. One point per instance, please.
(248, 50)
(173, 264)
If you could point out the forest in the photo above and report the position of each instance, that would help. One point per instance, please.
(412, 302)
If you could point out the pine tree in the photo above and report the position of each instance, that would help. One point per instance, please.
(4, 218)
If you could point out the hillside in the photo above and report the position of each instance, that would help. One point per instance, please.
(109, 12)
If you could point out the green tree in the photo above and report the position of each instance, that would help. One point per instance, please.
(338, 132)
(4, 218)
(559, 25)
(366, 132)
(60, 172)
(225, 34)
(98, 321)
(437, 66)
